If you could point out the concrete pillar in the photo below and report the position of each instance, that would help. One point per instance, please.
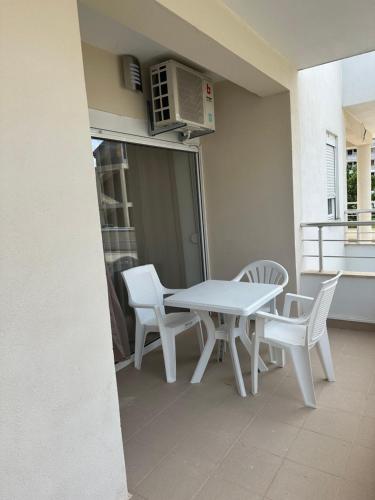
(364, 187)
(60, 429)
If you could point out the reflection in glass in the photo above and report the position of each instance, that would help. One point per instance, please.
(149, 214)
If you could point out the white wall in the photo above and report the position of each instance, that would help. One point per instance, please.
(104, 85)
(319, 107)
(320, 110)
(248, 182)
(358, 79)
(59, 421)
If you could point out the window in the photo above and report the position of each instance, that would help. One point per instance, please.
(331, 161)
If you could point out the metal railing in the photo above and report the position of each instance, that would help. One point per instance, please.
(353, 213)
(361, 237)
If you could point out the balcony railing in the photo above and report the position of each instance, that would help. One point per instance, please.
(353, 214)
(330, 244)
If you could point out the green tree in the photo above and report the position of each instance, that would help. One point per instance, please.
(351, 182)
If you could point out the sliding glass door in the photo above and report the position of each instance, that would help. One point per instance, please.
(149, 214)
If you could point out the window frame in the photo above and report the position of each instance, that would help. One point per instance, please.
(332, 201)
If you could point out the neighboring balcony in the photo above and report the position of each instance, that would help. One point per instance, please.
(328, 247)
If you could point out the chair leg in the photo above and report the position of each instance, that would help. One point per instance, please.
(200, 337)
(140, 337)
(168, 342)
(302, 367)
(271, 353)
(324, 351)
(279, 356)
(254, 364)
(247, 344)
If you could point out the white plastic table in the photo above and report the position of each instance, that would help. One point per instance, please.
(232, 299)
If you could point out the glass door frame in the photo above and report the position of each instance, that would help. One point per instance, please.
(150, 141)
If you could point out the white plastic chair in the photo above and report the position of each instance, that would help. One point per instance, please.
(264, 271)
(146, 295)
(298, 335)
(273, 273)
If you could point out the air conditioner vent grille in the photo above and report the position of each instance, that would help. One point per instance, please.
(190, 98)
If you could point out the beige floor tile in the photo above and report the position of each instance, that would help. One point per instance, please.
(334, 423)
(366, 432)
(132, 422)
(361, 465)
(226, 419)
(135, 496)
(298, 482)
(289, 388)
(162, 434)
(354, 373)
(210, 392)
(174, 478)
(131, 381)
(140, 459)
(218, 489)
(324, 453)
(270, 435)
(205, 448)
(268, 381)
(286, 410)
(352, 490)
(370, 406)
(334, 396)
(137, 412)
(360, 344)
(251, 405)
(249, 467)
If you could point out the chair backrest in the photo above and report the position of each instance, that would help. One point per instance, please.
(144, 287)
(264, 271)
(317, 324)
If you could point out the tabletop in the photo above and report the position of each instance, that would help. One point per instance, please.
(227, 297)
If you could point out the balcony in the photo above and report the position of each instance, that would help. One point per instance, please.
(341, 245)
(203, 441)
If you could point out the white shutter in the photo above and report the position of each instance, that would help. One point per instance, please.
(331, 170)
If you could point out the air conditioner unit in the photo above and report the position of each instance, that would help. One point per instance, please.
(181, 98)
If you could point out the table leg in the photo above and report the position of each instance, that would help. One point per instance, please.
(208, 348)
(234, 356)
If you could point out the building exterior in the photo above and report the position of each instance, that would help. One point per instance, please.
(260, 175)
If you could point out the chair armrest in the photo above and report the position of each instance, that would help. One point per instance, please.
(292, 297)
(141, 306)
(301, 320)
(171, 291)
(238, 277)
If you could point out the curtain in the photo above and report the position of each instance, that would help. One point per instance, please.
(120, 337)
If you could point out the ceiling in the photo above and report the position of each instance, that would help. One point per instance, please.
(311, 32)
(107, 34)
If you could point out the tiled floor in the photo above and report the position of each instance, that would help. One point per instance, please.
(204, 442)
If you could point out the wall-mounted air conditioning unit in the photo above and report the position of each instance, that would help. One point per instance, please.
(182, 99)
